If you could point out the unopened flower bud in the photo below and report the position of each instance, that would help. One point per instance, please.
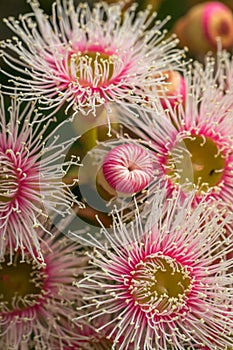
(203, 25)
(174, 89)
(128, 168)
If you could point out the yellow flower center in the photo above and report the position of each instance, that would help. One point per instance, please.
(160, 284)
(93, 67)
(196, 162)
(20, 282)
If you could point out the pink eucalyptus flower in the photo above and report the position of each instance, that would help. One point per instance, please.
(36, 299)
(192, 144)
(160, 283)
(89, 57)
(31, 186)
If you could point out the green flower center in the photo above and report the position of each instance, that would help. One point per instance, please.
(160, 284)
(196, 162)
(93, 67)
(20, 282)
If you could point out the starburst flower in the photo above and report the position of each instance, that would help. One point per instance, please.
(37, 300)
(192, 142)
(89, 57)
(161, 283)
(31, 178)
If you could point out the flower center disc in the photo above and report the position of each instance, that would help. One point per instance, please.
(160, 284)
(19, 281)
(93, 67)
(196, 161)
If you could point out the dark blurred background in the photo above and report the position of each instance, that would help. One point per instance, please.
(14, 8)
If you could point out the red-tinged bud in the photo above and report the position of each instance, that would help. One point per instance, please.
(174, 91)
(203, 25)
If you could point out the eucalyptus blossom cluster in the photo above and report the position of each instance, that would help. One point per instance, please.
(116, 184)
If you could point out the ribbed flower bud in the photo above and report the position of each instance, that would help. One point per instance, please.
(128, 168)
